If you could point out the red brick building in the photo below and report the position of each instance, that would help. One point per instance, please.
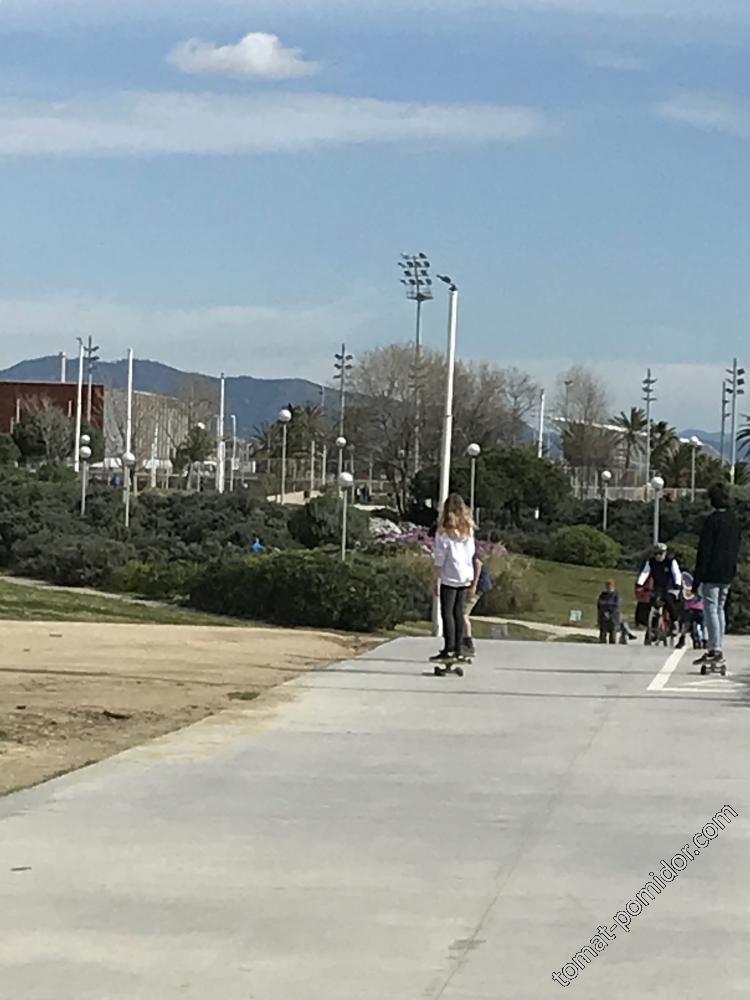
(20, 398)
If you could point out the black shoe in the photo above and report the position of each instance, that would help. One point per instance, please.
(442, 657)
(702, 659)
(468, 647)
(680, 642)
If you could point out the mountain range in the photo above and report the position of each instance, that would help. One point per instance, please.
(254, 401)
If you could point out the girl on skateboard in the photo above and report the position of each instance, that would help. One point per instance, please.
(453, 574)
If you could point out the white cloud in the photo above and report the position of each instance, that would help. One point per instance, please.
(242, 340)
(617, 61)
(711, 114)
(132, 124)
(257, 54)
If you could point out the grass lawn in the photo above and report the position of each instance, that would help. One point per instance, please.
(480, 630)
(20, 602)
(564, 588)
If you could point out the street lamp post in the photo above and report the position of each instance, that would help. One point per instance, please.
(85, 455)
(346, 481)
(473, 451)
(128, 461)
(696, 443)
(447, 439)
(725, 394)
(416, 279)
(342, 368)
(233, 418)
(285, 417)
(649, 399)
(657, 484)
(735, 389)
(606, 480)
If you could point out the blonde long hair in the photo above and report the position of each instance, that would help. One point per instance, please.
(455, 519)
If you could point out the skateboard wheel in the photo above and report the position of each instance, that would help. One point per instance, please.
(459, 671)
(703, 668)
(723, 670)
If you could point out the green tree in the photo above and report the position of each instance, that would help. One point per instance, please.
(510, 482)
(664, 442)
(44, 435)
(194, 450)
(9, 450)
(633, 430)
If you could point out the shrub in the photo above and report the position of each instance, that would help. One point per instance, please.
(295, 588)
(319, 523)
(70, 560)
(514, 590)
(408, 575)
(159, 580)
(585, 546)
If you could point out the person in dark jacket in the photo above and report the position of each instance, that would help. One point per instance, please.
(608, 613)
(715, 569)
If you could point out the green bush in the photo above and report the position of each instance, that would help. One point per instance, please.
(69, 560)
(585, 546)
(408, 575)
(160, 581)
(738, 605)
(295, 588)
(319, 523)
(514, 590)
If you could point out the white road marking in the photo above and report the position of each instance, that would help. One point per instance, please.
(673, 660)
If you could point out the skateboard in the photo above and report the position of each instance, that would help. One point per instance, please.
(712, 668)
(453, 666)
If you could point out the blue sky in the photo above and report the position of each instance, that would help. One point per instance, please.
(578, 166)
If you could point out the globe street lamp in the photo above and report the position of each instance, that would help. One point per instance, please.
(473, 451)
(657, 485)
(606, 480)
(285, 417)
(696, 443)
(346, 481)
(128, 461)
(341, 443)
(84, 452)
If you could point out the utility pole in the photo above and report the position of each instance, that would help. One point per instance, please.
(649, 398)
(416, 279)
(342, 368)
(735, 388)
(220, 448)
(724, 414)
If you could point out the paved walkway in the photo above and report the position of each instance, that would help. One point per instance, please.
(388, 835)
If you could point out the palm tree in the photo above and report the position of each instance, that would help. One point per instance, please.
(743, 435)
(664, 442)
(677, 466)
(633, 427)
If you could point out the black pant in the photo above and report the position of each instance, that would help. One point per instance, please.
(452, 602)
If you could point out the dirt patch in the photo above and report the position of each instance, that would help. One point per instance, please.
(74, 693)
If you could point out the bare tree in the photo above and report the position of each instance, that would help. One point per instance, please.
(582, 400)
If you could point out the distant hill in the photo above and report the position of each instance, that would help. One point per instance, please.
(254, 401)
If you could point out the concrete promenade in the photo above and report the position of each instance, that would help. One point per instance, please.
(372, 832)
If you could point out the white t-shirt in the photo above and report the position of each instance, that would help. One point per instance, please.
(454, 557)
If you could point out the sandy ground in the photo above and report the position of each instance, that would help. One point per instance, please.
(74, 693)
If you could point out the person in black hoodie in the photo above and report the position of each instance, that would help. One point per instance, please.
(715, 569)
